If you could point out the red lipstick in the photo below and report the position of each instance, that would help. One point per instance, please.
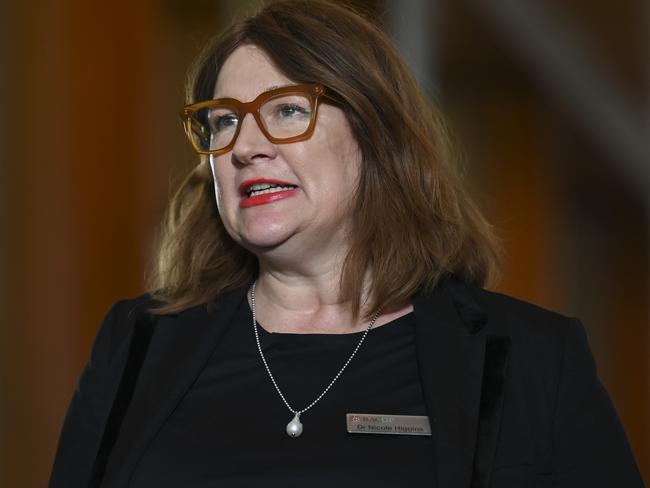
(262, 199)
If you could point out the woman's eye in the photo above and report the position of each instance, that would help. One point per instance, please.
(288, 111)
(225, 122)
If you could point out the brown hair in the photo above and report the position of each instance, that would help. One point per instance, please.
(413, 220)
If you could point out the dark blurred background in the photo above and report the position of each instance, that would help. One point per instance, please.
(550, 99)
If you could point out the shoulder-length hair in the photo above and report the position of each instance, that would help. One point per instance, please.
(413, 222)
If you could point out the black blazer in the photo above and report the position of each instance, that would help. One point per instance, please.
(510, 388)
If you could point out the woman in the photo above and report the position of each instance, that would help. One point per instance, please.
(319, 281)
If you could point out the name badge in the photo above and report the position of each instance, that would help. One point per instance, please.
(374, 423)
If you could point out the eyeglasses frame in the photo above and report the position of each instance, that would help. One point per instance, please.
(314, 90)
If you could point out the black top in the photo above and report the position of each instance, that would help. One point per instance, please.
(229, 429)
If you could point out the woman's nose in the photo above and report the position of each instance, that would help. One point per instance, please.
(251, 142)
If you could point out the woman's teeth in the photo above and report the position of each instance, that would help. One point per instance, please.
(273, 189)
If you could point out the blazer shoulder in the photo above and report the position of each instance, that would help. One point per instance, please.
(498, 303)
(118, 322)
(131, 305)
(520, 318)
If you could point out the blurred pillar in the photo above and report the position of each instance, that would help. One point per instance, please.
(5, 37)
(79, 173)
(412, 25)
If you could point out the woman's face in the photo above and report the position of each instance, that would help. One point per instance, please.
(313, 217)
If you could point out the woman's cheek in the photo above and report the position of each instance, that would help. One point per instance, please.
(226, 212)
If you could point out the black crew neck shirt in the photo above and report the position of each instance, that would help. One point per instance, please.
(229, 429)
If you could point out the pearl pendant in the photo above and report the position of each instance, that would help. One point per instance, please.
(294, 428)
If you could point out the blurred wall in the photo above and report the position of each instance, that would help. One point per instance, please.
(90, 145)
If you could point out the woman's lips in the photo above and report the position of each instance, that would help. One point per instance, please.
(265, 198)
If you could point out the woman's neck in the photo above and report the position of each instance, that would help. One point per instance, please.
(309, 304)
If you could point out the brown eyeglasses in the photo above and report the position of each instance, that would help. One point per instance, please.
(286, 114)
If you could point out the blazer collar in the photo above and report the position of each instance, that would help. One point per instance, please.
(451, 354)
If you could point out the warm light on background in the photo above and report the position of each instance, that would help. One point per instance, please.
(550, 99)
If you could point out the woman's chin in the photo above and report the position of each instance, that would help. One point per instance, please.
(260, 242)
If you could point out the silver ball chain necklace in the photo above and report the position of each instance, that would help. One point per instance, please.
(294, 428)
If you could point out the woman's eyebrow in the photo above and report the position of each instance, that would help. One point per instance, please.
(269, 88)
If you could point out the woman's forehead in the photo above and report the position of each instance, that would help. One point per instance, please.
(246, 73)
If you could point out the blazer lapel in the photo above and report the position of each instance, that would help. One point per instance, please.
(453, 355)
(180, 347)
